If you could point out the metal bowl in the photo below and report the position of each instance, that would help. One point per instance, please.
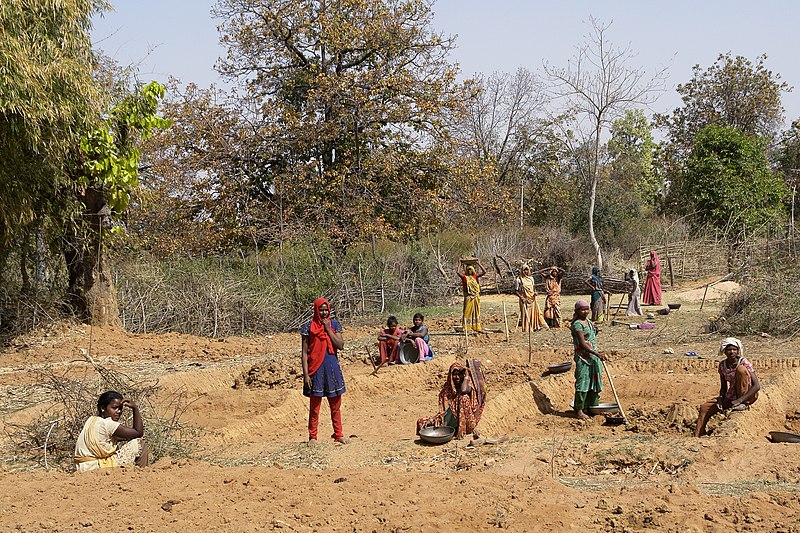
(559, 368)
(440, 435)
(674, 306)
(408, 353)
(604, 409)
(782, 436)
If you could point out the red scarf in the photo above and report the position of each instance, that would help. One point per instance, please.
(318, 341)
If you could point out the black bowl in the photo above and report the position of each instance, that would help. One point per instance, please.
(782, 436)
(559, 368)
(674, 306)
(440, 435)
(615, 420)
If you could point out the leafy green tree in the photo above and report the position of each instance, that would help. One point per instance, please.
(631, 152)
(65, 172)
(789, 166)
(108, 175)
(729, 184)
(48, 99)
(734, 92)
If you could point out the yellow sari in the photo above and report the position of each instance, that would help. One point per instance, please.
(529, 314)
(472, 303)
(96, 446)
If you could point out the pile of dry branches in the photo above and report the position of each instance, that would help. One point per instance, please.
(49, 439)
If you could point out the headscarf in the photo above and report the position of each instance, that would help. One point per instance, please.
(731, 341)
(656, 263)
(578, 305)
(470, 270)
(582, 303)
(635, 276)
(318, 341)
(598, 281)
(449, 391)
(448, 397)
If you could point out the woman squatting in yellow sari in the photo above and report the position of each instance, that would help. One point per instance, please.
(471, 317)
(101, 443)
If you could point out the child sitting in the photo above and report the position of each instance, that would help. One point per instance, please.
(388, 342)
(418, 334)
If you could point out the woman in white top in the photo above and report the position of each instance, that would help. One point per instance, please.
(101, 443)
(634, 293)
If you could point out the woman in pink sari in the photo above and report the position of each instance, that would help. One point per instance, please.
(652, 287)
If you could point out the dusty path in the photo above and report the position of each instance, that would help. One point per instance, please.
(253, 472)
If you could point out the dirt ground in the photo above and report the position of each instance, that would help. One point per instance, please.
(252, 470)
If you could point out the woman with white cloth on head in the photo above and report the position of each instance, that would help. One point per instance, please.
(738, 384)
(634, 293)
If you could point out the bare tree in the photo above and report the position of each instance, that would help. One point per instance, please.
(597, 86)
(500, 122)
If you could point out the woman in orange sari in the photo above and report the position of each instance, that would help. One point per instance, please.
(552, 303)
(461, 400)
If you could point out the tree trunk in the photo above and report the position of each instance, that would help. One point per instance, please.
(91, 295)
(593, 197)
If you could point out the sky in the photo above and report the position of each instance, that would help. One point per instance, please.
(180, 38)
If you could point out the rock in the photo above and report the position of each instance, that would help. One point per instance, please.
(709, 517)
(167, 506)
(681, 414)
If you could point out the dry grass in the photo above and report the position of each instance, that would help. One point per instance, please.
(49, 439)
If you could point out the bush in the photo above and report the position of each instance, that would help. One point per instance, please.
(767, 303)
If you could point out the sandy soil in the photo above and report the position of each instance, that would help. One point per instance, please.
(253, 471)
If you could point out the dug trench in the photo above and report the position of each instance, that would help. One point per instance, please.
(253, 471)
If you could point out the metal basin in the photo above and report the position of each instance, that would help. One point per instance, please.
(782, 436)
(440, 435)
(674, 306)
(604, 409)
(408, 353)
(559, 368)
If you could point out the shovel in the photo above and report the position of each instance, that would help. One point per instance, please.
(616, 398)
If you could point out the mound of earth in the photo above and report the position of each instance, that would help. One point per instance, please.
(715, 292)
(267, 375)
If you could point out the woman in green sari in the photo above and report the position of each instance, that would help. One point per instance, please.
(588, 361)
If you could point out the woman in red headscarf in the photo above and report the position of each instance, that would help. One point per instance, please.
(322, 376)
(652, 287)
(461, 400)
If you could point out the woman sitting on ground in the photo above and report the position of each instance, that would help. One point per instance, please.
(418, 334)
(738, 384)
(388, 342)
(101, 442)
(461, 400)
